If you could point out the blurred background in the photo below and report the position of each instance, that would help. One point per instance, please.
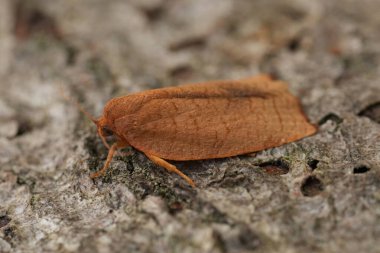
(321, 194)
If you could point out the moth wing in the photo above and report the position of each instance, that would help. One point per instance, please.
(215, 119)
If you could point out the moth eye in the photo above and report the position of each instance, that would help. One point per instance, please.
(107, 131)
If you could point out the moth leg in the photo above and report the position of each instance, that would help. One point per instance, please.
(110, 155)
(103, 139)
(170, 167)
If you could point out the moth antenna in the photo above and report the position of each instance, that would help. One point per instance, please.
(76, 103)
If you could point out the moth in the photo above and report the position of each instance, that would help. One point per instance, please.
(207, 120)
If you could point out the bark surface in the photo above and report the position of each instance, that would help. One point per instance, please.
(319, 194)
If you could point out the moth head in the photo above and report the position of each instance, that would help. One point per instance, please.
(101, 123)
(104, 130)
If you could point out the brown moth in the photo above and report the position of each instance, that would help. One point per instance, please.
(203, 121)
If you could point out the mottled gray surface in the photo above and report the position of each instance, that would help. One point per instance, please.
(321, 194)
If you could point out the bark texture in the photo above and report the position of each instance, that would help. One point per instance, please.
(320, 194)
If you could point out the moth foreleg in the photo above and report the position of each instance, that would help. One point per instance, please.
(170, 167)
(114, 148)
